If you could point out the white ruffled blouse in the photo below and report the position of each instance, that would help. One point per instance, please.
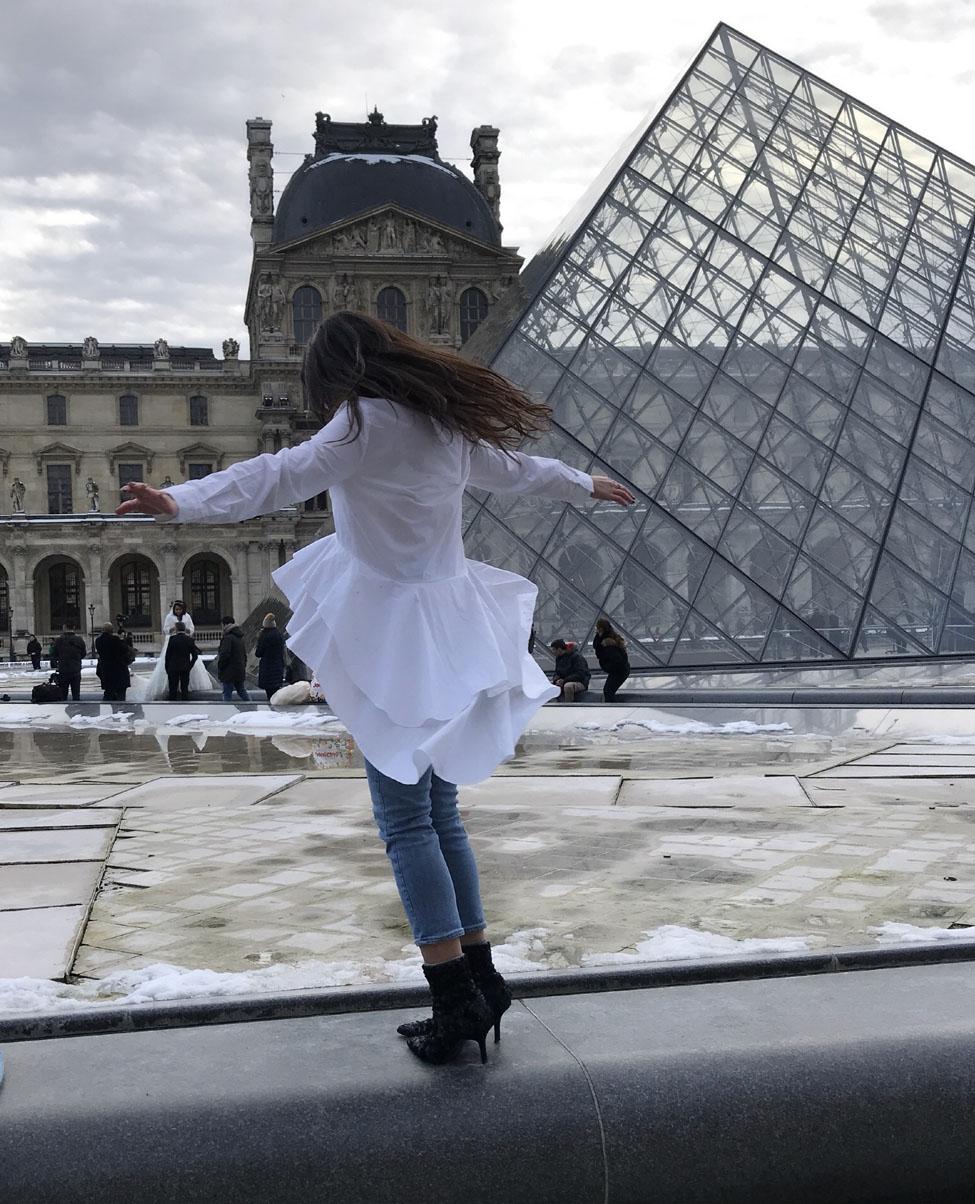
(422, 654)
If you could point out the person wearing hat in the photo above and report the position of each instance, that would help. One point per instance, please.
(272, 657)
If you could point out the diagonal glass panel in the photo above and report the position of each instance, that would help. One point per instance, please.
(880, 636)
(876, 455)
(946, 450)
(910, 602)
(681, 370)
(701, 643)
(794, 453)
(926, 549)
(736, 410)
(659, 411)
(811, 410)
(855, 498)
(897, 368)
(933, 496)
(779, 501)
(691, 498)
(644, 606)
(759, 551)
(823, 603)
(562, 612)
(581, 411)
(627, 329)
(489, 540)
(605, 370)
(582, 557)
(529, 367)
(671, 553)
(830, 371)
(701, 331)
(841, 549)
(640, 459)
(761, 373)
(716, 454)
(958, 636)
(736, 606)
(884, 408)
(791, 640)
(963, 586)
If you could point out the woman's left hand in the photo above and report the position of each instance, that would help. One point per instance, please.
(605, 489)
(143, 499)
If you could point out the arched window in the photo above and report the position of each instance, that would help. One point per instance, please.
(306, 310)
(205, 605)
(135, 579)
(64, 591)
(473, 311)
(391, 306)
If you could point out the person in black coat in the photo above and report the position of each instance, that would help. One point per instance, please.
(67, 655)
(271, 653)
(610, 649)
(181, 655)
(571, 671)
(34, 651)
(232, 661)
(112, 669)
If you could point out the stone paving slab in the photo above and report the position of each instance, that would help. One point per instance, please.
(39, 943)
(206, 791)
(936, 759)
(47, 885)
(745, 791)
(57, 794)
(239, 887)
(24, 819)
(73, 844)
(947, 751)
(855, 769)
(847, 792)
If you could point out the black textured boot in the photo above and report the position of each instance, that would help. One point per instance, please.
(460, 1013)
(493, 987)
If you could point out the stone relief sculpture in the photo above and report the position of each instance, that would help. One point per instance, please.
(18, 348)
(17, 491)
(160, 350)
(91, 489)
(388, 234)
(270, 304)
(231, 349)
(89, 349)
(352, 239)
(439, 297)
(262, 189)
(346, 294)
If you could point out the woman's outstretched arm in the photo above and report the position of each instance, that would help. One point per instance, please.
(515, 472)
(257, 486)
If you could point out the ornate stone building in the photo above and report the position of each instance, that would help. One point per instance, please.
(373, 220)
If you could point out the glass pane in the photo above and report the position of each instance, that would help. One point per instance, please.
(561, 612)
(791, 640)
(934, 497)
(736, 606)
(881, 637)
(737, 410)
(926, 549)
(693, 500)
(523, 363)
(722, 459)
(912, 604)
(841, 549)
(702, 644)
(581, 411)
(683, 371)
(632, 453)
(886, 409)
(946, 450)
(776, 499)
(826, 605)
(581, 556)
(755, 369)
(668, 551)
(645, 607)
(812, 410)
(658, 411)
(795, 454)
(489, 541)
(605, 370)
(864, 446)
(757, 550)
(850, 494)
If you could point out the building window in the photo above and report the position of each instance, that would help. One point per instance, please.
(57, 410)
(196, 472)
(306, 311)
(473, 311)
(64, 592)
(130, 472)
(59, 489)
(391, 306)
(128, 410)
(199, 411)
(136, 582)
(317, 503)
(205, 591)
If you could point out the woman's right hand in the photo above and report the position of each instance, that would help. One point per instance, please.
(605, 489)
(143, 499)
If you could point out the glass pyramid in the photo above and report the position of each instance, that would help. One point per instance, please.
(765, 326)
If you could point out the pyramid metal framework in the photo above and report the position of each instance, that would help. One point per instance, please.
(766, 327)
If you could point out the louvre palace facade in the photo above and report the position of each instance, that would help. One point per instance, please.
(374, 220)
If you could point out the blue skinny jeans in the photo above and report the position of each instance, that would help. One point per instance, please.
(432, 860)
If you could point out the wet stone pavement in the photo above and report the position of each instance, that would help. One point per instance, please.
(231, 850)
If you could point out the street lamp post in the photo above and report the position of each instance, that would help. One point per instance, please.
(91, 626)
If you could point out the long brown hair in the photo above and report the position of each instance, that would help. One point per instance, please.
(354, 355)
(606, 629)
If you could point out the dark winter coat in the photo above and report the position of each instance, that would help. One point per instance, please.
(571, 666)
(69, 652)
(114, 658)
(34, 647)
(232, 656)
(181, 652)
(612, 658)
(272, 655)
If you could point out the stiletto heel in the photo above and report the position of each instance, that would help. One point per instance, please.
(483, 1050)
(460, 1014)
(492, 986)
(497, 1030)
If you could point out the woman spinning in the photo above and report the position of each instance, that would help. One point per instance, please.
(422, 653)
(158, 685)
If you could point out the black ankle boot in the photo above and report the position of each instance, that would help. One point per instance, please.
(460, 1013)
(493, 987)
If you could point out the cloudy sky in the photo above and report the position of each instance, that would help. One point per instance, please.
(123, 188)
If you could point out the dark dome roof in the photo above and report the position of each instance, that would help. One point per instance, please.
(331, 188)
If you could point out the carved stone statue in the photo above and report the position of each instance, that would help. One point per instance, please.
(270, 303)
(262, 189)
(346, 293)
(89, 349)
(17, 491)
(439, 296)
(352, 239)
(91, 489)
(168, 483)
(231, 349)
(18, 348)
(388, 234)
(160, 350)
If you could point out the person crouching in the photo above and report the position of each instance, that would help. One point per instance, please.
(571, 671)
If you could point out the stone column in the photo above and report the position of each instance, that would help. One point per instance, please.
(239, 584)
(97, 584)
(169, 587)
(21, 593)
(260, 152)
(487, 180)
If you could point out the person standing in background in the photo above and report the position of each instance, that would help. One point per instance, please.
(69, 651)
(610, 649)
(232, 661)
(112, 669)
(271, 653)
(181, 655)
(34, 651)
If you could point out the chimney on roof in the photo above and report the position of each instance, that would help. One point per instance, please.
(487, 181)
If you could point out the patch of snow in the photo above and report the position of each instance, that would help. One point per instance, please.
(892, 933)
(672, 942)
(280, 722)
(14, 718)
(117, 719)
(335, 157)
(185, 720)
(691, 727)
(951, 739)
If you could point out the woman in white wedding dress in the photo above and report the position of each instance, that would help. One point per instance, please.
(158, 685)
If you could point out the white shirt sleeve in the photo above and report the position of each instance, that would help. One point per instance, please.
(270, 482)
(514, 472)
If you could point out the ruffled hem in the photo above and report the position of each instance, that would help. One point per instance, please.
(422, 673)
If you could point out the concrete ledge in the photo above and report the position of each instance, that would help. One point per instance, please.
(857, 1086)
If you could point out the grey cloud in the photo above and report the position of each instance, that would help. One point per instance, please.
(932, 20)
